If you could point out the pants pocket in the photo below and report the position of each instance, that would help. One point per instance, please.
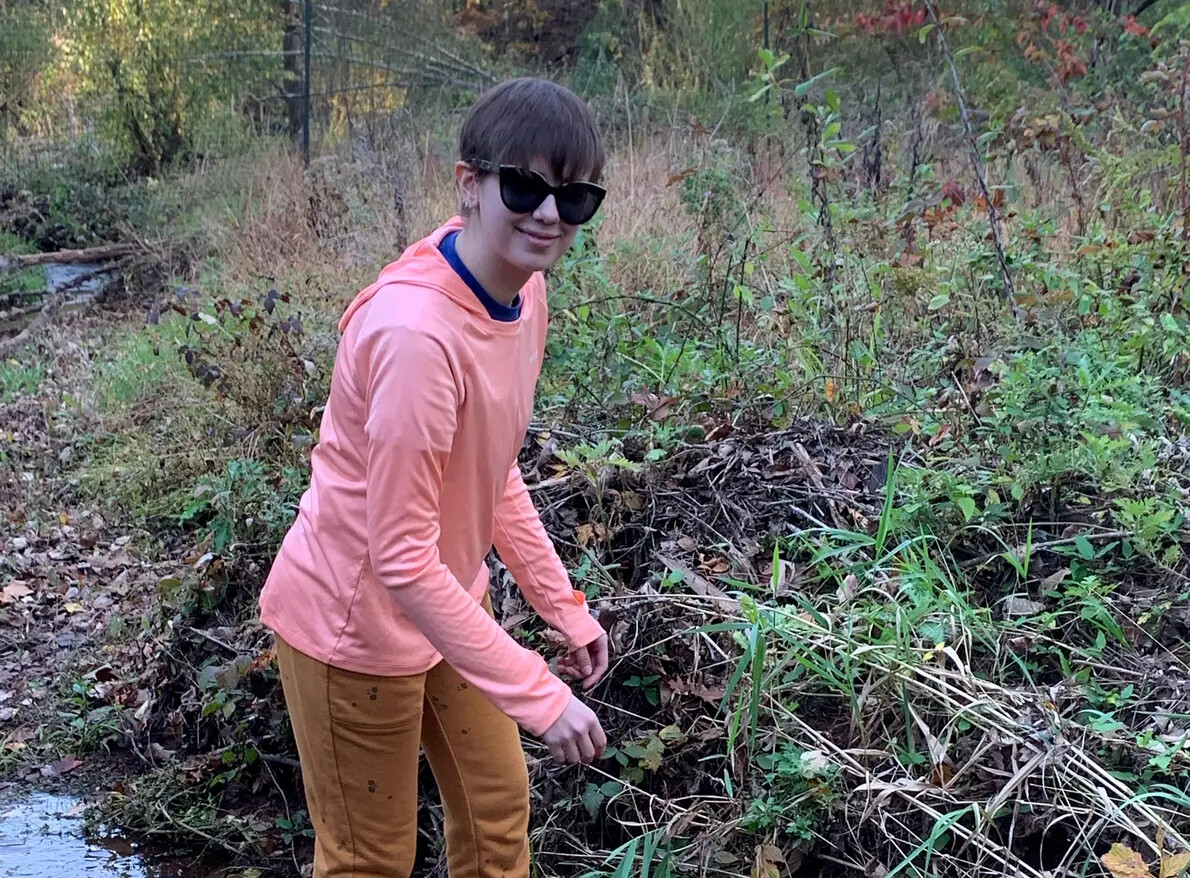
(379, 705)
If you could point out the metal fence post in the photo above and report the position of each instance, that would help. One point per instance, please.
(306, 86)
(766, 40)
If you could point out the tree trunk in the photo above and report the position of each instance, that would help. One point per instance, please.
(291, 46)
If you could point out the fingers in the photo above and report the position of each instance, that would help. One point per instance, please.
(598, 740)
(598, 663)
(586, 748)
(576, 736)
(582, 661)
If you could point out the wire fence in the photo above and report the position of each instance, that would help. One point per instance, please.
(161, 77)
(354, 59)
(350, 60)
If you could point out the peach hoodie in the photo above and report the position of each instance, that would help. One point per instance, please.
(413, 480)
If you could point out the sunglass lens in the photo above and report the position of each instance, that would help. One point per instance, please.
(522, 192)
(578, 202)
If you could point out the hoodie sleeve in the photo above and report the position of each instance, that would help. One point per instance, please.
(412, 396)
(526, 549)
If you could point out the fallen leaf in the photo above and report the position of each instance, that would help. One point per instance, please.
(941, 774)
(511, 622)
(7, 713)
(587, 533)
(708, 693)
(633, 500)
(701, 586)
(768, 862)
(1173, 865)
(831, 391)
(103, 674)
(715, 565)
(1016, 606)
(1123, 862)
(937, 438)
(849, 589)
(160, 753)
(1056, 577)
(264, 660)
(814, 763)
(14, 591)
(719, 431)
(672, 735)
(658, 407)
(63, 766)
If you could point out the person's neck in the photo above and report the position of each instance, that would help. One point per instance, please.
(500, 279)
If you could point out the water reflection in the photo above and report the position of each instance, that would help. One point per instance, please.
(41, 836)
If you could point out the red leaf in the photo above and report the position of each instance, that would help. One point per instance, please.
(953, 190)
(1134, 27)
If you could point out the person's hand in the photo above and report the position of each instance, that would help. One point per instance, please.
(577, 736)
(586, 663)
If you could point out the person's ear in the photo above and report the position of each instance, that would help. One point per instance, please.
(467, 179)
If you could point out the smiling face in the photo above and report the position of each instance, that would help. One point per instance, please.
(524, 242)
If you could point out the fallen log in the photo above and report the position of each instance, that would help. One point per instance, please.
(18, 261)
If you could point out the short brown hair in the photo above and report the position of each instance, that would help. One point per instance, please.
(524, 119)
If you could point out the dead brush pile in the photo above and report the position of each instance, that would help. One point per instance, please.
(794, 689)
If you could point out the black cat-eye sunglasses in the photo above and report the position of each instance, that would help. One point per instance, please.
(523, 191)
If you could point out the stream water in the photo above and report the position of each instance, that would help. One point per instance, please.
(59, 275)
(41, 836)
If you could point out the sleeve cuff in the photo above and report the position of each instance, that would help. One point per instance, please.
(551, 711)
(580, 627)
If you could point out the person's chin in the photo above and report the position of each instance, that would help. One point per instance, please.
(534, 260)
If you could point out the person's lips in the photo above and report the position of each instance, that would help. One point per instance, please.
(542, 239)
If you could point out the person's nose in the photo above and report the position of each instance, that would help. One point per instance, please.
(547, 211)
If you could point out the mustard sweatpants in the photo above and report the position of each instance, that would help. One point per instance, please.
(358, 740)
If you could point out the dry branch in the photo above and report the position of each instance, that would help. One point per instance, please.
(88, 254)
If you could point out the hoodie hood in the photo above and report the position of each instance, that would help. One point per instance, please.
(422, 264)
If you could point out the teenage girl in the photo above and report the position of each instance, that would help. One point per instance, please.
(379, 597)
